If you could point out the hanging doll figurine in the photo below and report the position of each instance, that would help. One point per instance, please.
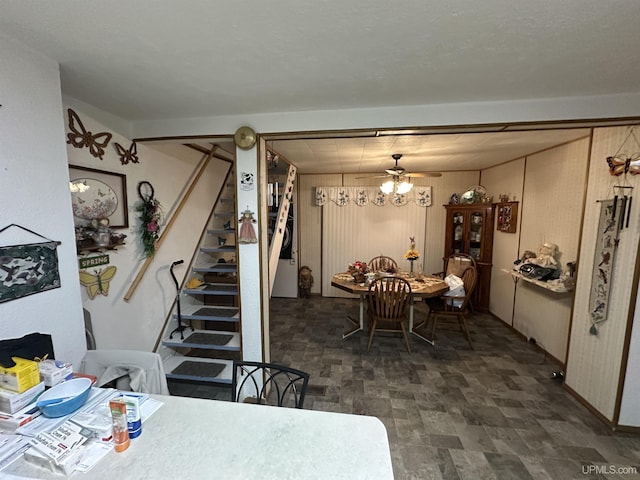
(247, 232)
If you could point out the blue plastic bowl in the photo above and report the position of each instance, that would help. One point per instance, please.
(74, 394)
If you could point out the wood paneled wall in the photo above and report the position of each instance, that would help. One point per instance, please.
(311, 224)
(552, 207)
(353, 233)
(505, 179)
(550, 187)
(594, 361)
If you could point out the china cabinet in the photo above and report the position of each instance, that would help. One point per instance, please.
(469, 229)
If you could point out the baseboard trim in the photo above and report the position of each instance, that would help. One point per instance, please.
(525, 339)
(590, 407)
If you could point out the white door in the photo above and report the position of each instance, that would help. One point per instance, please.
(286, 282)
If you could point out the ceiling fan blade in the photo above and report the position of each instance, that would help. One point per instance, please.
(426, 174)
(373, 176)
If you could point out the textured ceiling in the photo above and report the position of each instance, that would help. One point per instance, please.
(420, 153)
(153, 59)
(159, 59)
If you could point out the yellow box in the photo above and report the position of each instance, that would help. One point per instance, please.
(22, 376)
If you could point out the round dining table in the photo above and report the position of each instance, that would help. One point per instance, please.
(421, 287)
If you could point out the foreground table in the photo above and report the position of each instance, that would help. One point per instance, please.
(204, 439)
(421, 287)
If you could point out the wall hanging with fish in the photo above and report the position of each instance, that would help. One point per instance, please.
(27, 268)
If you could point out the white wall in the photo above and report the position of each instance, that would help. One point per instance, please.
(137, 323)
(250, 274)
(34, 193)
(630, 406)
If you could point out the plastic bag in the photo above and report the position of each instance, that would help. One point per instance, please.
(456, 289)
(453, 281)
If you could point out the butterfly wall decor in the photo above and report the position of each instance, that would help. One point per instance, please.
(79, 137)
(126, 156)
(619, 165)
(97, 282)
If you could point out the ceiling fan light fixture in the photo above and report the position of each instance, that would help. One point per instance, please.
(396, 186)
(387, 187)
(404, 187)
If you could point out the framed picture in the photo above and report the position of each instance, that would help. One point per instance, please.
(97, 195)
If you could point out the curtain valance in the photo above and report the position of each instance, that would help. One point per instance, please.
(362, 196)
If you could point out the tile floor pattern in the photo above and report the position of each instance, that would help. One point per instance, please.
(450, 412)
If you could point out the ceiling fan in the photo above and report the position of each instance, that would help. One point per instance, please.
(399, 181)
(397, 171)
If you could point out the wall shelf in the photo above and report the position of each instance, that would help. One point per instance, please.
(551, 286)
(85, 247)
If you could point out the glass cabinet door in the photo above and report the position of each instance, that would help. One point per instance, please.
(457, 239)
(475, 233)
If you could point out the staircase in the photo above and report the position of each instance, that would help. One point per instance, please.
(203, 335)
(202, 338)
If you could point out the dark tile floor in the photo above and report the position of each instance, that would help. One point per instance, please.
(450, 412)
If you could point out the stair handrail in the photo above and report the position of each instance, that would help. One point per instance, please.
(278, 235)
(199, 171)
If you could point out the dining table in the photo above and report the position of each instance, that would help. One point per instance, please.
(422, 286)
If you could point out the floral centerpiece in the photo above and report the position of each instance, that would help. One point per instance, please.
(412, 254)
(358, 269)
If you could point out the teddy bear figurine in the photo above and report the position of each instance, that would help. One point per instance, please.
(305, 282)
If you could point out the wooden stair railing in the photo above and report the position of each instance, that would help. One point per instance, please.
(199, 171)
(278, 233)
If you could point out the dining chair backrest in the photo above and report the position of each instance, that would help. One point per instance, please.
(456, 305)
(268, 384)
(382, 263)
(469, 278)
(389, 298)
(132, 370)
(458, 263)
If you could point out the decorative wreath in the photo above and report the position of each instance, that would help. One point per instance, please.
(150, 219)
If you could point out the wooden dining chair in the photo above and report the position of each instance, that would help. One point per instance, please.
(382, 263)
(268, 384)
(389, 299)
(456, 307)
(454, 264)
